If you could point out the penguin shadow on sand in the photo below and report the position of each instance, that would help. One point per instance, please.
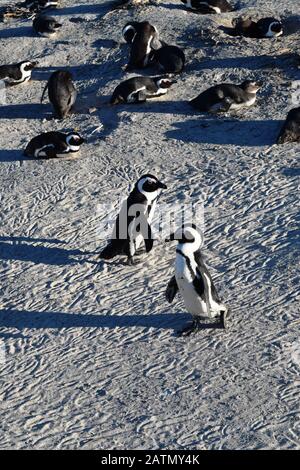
(35, 250)
(22, 111)
(18, 32)
(21, 319)
(218, 131)
(10, 156)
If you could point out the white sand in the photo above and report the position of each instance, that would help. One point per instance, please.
(91, 356)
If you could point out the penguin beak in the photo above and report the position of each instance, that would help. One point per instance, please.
(161, 185)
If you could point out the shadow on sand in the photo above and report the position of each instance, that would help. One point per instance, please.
(26, 249)
(37, 320)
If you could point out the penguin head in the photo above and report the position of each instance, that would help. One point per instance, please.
(251, 86)
(163, 82)
(27, 65)
(188, 234)
(149, 184)
(270, 27)
(129, 32)
(74, 139)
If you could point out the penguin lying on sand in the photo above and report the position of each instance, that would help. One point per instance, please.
(46, 26)
(50, 144)
(193, 280)
(38, 5)
(227, 97)
(143, 38)
(133, 222)
(264, 28)
(62, 93)
(170, 59)
(14, 74)
(138, 89)
(210, 7)
(290, 131)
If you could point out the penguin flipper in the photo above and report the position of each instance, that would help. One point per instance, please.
(44, 91)
(149, 240)
(172, 289)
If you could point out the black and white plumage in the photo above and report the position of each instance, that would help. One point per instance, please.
(264, 28)
(290, 131)
(143, 38)
(210, 7)
(46, 26)
(50, 144)
(62, 93)
(14, 74)
(38, 5)
(133, 224)
(227, 97)
(138, 89)
(170, 59)
(193, 280)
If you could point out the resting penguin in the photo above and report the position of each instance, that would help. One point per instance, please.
(208, 6)
(264, 28)
(138, 89)
(143, 38)
(171, 59)
(133, 222)
(14, 74)
(290, 131)
(227, 97)
(46, 26)
(193, 280)
(49, 144)
(62, 93)
(38, 5)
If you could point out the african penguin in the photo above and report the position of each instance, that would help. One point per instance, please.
(38, 5)
(208, 6)
(133, 222)
(50, 144)
(14, 74)
(62, 93)
(143, 38)
(193, 280)
(290, 131)
(138, 89)
(264, 28)
(46, 26)
(170, 59)
(227, 97)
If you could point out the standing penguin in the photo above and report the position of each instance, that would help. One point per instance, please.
(46, 26)
(170, 59)
(50, 144)
(209, 7)
(143, 38)
(14, 74)
(227, 97)
(290, 131)
(133, 222)
(193, 280)
(62, 93)
(138, 89)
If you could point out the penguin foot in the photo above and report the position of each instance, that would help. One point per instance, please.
(187, 331)
(132, 261)
(224, 319)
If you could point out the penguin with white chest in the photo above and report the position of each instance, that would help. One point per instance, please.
(227, 97)
(15, 74)
(38, 5)
(193, 280)
(50, 144)
(143, 37)
(133, 224)
(208, 7)
(264, 28)
(46, 26)
(62, 93)
(139, 89)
